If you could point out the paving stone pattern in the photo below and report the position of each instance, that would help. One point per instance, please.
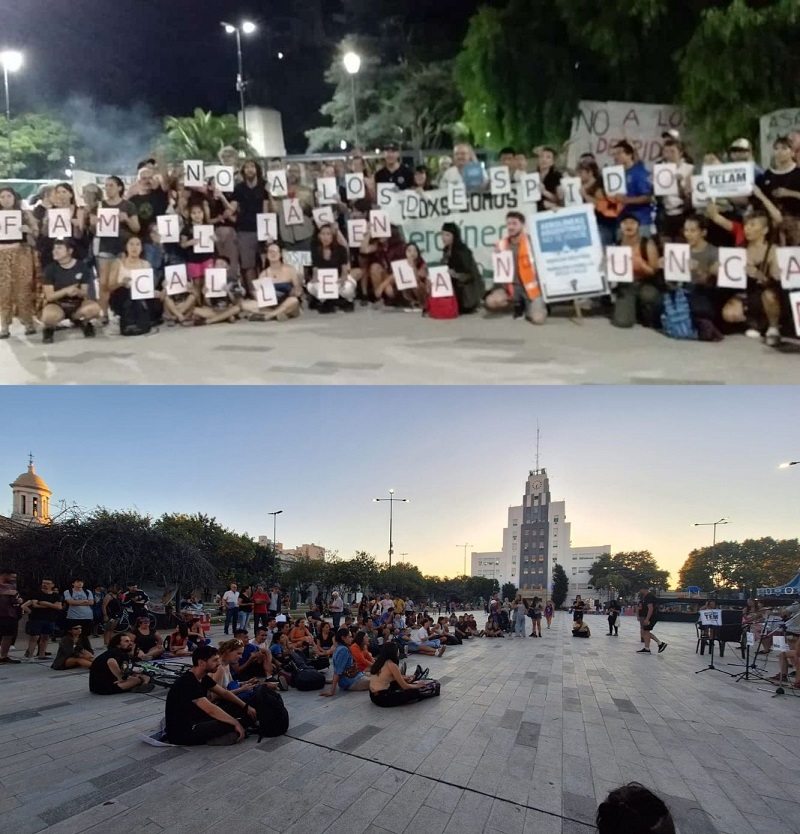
(526, 738)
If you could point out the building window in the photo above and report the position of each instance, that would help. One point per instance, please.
(35, 507)
(555, 520)
(24, 505)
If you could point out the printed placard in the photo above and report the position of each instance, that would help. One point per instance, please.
(732, 268)
(357, 232)
(176, 279)
(751, 640)
(779, 643)
(530, 187)
(292, 212)
(710, 617)
(277, 185)
(143, 284)
(614, 181)
(571, 189)
(404, 276)
(789, 265)
(665, 179)
(500, 180)
(323, 216)
(11, 224)
(215, 283)
(700, 198)
(441, 282)
(203, 236)
(169, 228)
(59, 223)
(677, 263)
(107, 222)
(354, 186)
(729, 179)
(328, 284)
(457, 197)
(264, 290)
(224, 177)
(194, 173)
(386, 192)
(327, 191)
(619, 264)
(503, 266)
(379, 226)
(267, 226)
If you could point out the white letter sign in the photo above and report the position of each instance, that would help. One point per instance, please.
(265, 292)
(357, 232)
(107, 222)
(216, 283)
(11, 225)
(404, 277)
(328, 280)
(176, 280)
(665, 179)
(59, 222)
(614, 180)
(327, 191)
(500, 180)
(699, 193)
(571, 187)
(503, 265)
(194, 173)
(292, 212)
(676, 262)
(379, 226)
(204, 237)
(267, 226)
(441, 282)
(323, 216)
(619, 264)
(142, 284)
(732, 268)
(169, 228)
(354, 186)
(789, 265)
(531, 187)
(385, 192)
(276, 184)
(457, 197)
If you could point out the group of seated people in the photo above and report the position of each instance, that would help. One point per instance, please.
(766, 623)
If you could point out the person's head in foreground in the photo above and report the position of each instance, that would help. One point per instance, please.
(633, 809)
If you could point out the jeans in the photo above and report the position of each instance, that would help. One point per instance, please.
(337, 618)
(259, 619)
(519, 628)
(231, 618)
(244, 619)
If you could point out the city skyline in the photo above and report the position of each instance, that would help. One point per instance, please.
(660, 460)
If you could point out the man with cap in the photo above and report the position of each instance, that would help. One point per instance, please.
(741, 150)
(394, 170)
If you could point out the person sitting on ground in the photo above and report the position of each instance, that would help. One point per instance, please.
(328, 252)
(324, 644)
(580, 629)
(388, 687)
(345, 670)
(110, 672)
(633, 809)
(147, 642)
(788, 658)
(220, 309)
(422, 637)
(192, 718)
(418, 297)
(359, 648)
(256, 659)
(74, 650)
(492, 629)
(66, 292)
(466, 274)
(230, 655)
(178, 643)
(288, 288)
(300, 638)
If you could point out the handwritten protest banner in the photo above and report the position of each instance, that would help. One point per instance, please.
(775, 124)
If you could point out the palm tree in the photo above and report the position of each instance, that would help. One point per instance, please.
(203, 135)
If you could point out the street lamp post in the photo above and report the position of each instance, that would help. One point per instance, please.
(352, 64)
(246, 28)
(713, 524)
(275, 530)
(12, 62)
(391, 499)
(465, 546)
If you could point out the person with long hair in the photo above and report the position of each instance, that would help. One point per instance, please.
(230, 655)
(633, 809)
(17, 269)
(641, 300)
(345, 672)
(66, 292)
(64, 197)
(417, 298)
(196, 262)
(328, 252)
(248, 201)
(74, 651)
(388, 687)
(360, 651)
(288, 288)
(606, 209)
(467, 280)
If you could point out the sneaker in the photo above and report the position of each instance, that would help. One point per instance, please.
(283, 684)
(88, 330)
(48, 336)
(752, 333)
(227, 740)
(440, 651)
(9, 660)
(773, 337)
(424, 674)
(643, 651)
(661, 647)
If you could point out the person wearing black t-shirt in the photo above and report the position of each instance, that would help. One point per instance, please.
(137, 600)
(649, 613)
(190, 714)
(248, 201)
(394, 170)
(613, 616)
(781, 184)
(66, 292)
(110, 674)
(42, 609)
(550, 179)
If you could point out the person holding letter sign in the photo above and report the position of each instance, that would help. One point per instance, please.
(288, 288)
(248, 201)
(17, 233)
(144, 312)
(639, 193)
(66, 283)
(213, 309)
(467, 279)
(640, 300)
(781, 184)
(196, 262)
(672, 207)
(606, 209)
(704, 264)
(328, 253)
(523, 296)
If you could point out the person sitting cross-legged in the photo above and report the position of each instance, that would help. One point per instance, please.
(74, 650)
(345, 670)
(110, 672)
(147, 642)
(192, 718)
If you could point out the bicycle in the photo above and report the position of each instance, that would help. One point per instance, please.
(127, 622)
(162, 673)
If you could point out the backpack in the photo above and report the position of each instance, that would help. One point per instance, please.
(676, 320)
(271, 714)
(443, 308)
(308, 679)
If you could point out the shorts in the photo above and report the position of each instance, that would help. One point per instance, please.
(8, 626)
(108, 256)
(37, 628)
(537, 616)
(653, 624)
(248, 250)
(111, 626)
(197, 271)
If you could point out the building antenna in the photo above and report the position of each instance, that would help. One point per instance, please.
(537, 445)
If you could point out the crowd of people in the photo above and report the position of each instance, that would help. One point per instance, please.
(232, 263)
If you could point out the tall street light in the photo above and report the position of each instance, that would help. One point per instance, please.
(391, 499)
(352, 64)
(12, 62)
(245, 28)
(275, 530)
(465, 546)
(713, 524)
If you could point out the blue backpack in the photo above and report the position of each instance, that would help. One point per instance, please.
(676, 319)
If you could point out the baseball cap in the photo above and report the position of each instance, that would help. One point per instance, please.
(391, 146)
(672, 134)
(740, 145)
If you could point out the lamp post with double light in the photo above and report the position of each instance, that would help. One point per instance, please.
(246, 27)
(392, 500)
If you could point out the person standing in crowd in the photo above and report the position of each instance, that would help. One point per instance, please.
(274, 602)
(112, 248)
(606, 209)
(345, 671)
(422, 179)
(613, 616)
(520, 611)
(649, 609)
(260, 603)
(42, 609)
(337, 609)
(466, 274)
(150, 196)
(523, 297)
(248, 201)
(637, 202)
(781, 185)
(79, 604)
(64, 197)
(297, 236)
(110, 673)
(223, 219)
(577, 609)
(230, 604)
(196, 262)
(112, 612)
(641, 300)
(466, 170)
(673, 210)
(536, 617)
(74, 650)
(549, 610)
(10, 603)
(394, 170)
(550, 178)
(245, 607)
(66, 294)
(16, 269)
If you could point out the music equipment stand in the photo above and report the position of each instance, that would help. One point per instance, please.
(713, 630)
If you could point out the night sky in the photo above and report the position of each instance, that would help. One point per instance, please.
(173, 55)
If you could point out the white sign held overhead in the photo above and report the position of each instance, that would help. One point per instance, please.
(224, 177)
(732, 272)
(614, 181)
(386, 191)
(729, 179)
(277, 185)
(665, 179)
(677, 263)
(169, 228)
(441, 282)
(142, 284)
(619, 264)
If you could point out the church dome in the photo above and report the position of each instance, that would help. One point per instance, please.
(31, 480)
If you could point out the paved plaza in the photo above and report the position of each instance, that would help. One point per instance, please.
(526, 738)
(390, 347)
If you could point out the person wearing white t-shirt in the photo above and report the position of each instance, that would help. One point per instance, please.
(386, 603)
(463, 156)
(230, 602)
(421, 636)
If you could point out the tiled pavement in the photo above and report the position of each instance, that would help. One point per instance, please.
(372, 347)
(526, 738)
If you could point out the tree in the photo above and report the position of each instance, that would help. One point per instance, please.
(303, 572)
(560, 586)
(627, 572)
(36, 146)
(508, 591)
(202, 136)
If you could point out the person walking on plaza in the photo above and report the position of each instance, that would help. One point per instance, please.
(649, 611)
(613, 615)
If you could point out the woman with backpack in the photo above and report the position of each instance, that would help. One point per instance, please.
(641, 300)
(388, 687)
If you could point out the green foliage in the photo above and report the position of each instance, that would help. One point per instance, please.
(560, 586)
(202, 136)
(508, 591)
(302, 573)
(741, 566)
(35, 146)
(628, 572)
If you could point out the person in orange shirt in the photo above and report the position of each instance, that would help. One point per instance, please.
(359, 648)
(524, 295)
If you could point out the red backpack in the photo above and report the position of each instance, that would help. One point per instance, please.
(443, 308)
